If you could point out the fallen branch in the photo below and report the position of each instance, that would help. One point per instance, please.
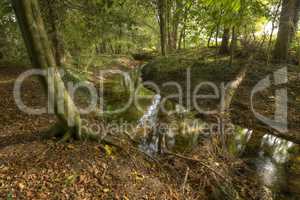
(185, 179)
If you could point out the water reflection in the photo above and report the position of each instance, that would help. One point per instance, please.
(276, 148)
(275, 160)
(177, 132)
(272, 158)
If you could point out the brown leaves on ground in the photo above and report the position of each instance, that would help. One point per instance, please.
(32, 167)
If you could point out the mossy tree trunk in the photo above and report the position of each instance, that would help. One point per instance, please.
(285, 32)
(39, 50)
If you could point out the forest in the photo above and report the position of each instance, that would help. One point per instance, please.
(150, 99)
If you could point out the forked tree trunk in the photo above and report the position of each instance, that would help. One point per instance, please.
(39, 50)
(285, 32)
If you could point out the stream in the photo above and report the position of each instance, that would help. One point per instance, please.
(276, 161)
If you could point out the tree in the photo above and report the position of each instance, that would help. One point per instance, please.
(296, 19)
(161, 6)
(224, 48)
(287, 27)
(52, 19)
(40, 53)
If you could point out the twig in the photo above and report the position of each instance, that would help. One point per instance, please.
(104, 173)
(185, 179)
(130, 138)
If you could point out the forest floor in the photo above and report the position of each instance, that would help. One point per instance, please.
(35, 167)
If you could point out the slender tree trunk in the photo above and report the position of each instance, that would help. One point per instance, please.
(162, 25)
(217, 32)
(224, 48)
(168, 25)
(181, 36)
(184, 38)
(285, 30)
(39, 49)
(210, 36)
(175, 35)
(182, 31)
(272, 30)
(177, 17)
(233, 44)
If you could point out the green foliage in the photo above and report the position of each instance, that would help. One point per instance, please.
(109, 26)
(11, 44)
(94, 27)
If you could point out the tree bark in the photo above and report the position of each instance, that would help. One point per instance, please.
(233, 44)
(162, 25)
(285, 32)
(175, 24)
(54, 35)
(210, 36)
(217, 33)
(40, 53)
(168, 25)
(296, 19)
(224, 48)
(273, 26)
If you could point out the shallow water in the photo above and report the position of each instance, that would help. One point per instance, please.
(275, 160)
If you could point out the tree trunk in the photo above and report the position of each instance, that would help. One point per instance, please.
(175, 25)
(162, 25)
(233, 44)
(181, 36)
(52, 19)
(296, 19)
(175, 10)
(224, 48)
(56, 38)
(217, 33)
(184, 24)
(273, 28)
(210, 36)
(168, 25)
(40, 53)
(285, 32)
